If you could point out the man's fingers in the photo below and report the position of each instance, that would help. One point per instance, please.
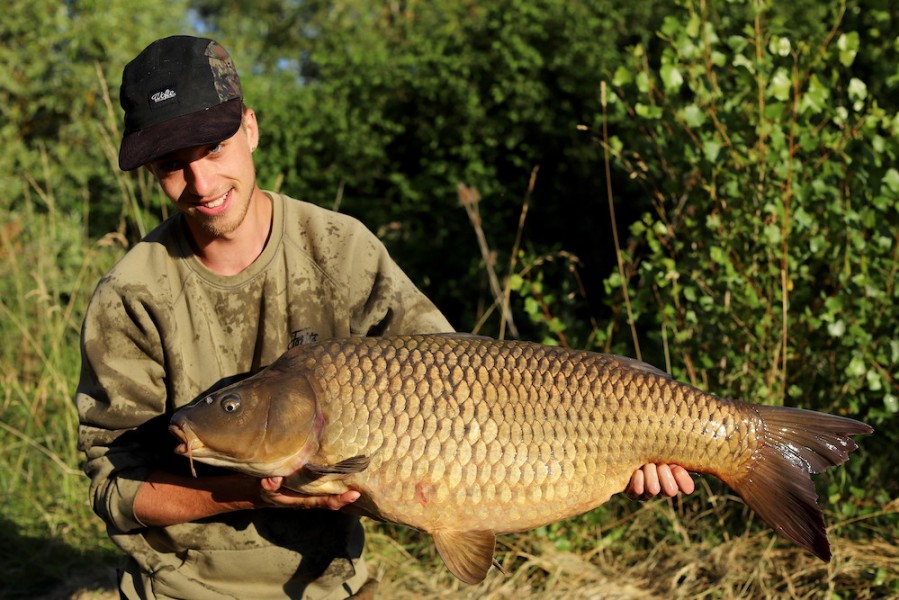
(636, 487)
(652, 479)
(651, 475)
(667, 481)
(338, 502)
(273, 494)
(271, 484)
(684, 481)
(330, 502)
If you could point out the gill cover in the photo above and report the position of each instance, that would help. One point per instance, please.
(293, 423)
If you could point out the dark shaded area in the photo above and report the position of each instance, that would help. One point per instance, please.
(49, 568)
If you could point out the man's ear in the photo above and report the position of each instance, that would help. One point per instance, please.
(250, 127)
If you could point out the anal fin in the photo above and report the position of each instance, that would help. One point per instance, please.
(467, 554)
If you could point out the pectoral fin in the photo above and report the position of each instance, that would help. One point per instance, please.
(468, 554)
(316, 478)
(354, 464)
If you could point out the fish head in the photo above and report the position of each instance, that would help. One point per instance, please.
(267, 425)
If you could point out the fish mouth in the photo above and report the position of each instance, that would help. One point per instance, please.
(189, 442)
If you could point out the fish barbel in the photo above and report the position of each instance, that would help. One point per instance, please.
(466, 438)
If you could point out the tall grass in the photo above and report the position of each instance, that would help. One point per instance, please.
(48, 267)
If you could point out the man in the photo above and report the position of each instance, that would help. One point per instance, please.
(215, 293)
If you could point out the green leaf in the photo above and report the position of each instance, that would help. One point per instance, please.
(802, 218)
(779, 46)
(875, 382)
(780, 85)
(856, 367)
(671, 26)
(815, 98)
(647, 111)
(671, 77)
(692, 115)
(717, 254)
(741, 61)
(847, 44)
(711, 149)
(693, 25)
(616, 144)
(643, 82)
(622, 76)
(858, 92)
(891, 403)
(772, 233)
(836, 329)
(891, 180)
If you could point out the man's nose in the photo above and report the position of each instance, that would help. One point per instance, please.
(200, 177)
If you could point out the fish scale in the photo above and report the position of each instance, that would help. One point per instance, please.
(546, 453)
(465, 437)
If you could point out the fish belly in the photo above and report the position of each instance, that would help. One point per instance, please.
(483, 434)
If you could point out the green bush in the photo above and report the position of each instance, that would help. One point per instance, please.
(766, 267)
(771, 247)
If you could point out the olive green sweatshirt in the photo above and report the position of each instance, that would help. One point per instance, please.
(162, 330)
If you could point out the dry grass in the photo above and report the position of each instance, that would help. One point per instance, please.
(629, 559)
(747, 567)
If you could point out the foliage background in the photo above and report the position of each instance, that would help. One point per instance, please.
(751, 152)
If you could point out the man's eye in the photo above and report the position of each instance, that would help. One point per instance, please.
(215, 148)
(168, 166)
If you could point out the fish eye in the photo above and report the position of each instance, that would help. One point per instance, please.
(230, 403)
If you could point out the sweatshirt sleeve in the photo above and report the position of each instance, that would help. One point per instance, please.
(121, 399)
(382, 298)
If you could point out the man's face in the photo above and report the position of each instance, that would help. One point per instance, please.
(213, 184)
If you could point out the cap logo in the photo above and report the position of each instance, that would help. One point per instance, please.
(166, 94)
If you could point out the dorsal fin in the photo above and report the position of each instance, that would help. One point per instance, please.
(462, 335)
(637, 365)
(468, 554)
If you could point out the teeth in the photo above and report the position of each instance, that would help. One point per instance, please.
(217, 203)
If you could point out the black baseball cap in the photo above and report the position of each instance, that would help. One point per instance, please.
(179, 92)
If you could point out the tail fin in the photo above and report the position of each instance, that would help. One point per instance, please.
(779, 487)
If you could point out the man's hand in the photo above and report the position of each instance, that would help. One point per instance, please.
(651, 479)
(273, 494)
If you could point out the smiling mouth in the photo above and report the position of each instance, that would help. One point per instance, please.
(217, 203)
(214, 203)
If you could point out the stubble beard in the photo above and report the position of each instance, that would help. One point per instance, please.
(222, 225)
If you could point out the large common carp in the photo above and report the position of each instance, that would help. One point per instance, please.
(466, 438)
